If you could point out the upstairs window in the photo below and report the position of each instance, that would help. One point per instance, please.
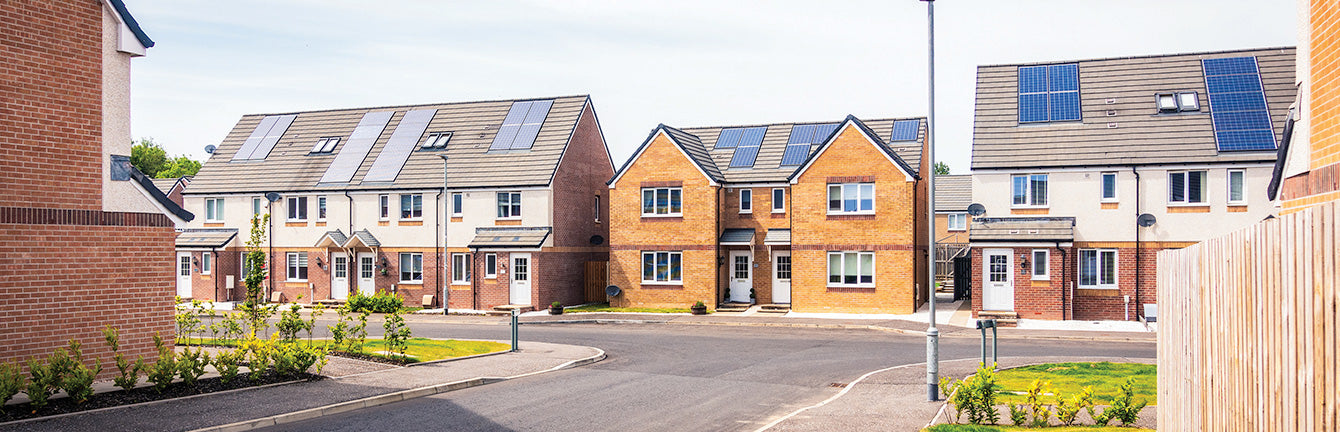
(297, 209)
(214, 210)
(509, 205)
(325, 145)
(1109, 187)
(746, 201)
(1030, 190)
(1049, 93)
(1237, 187)
(385, 202)
(597, 208)
(321, 208)
(957, 222)
(436, 141)
(779, 200)
(256, 206)
(411, 206)
(662, 202)
(1186, 187)
(852, 198)
(457, 204)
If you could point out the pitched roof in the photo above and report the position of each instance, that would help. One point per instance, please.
(133, 25)
(737, 236)
(161, 198)
(164, 184)
(1022, 229)
(1120, 124)
(953, 192)
(205, 237)
(291, 167)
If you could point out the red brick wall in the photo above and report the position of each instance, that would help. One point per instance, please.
(51, 104)
(760, 219)
(579, 179)
(1048, 300)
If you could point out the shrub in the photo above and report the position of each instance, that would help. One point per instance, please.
(259, 356)
(379, 303)
(316, 311)
(1018, 415)
(293, 359)
(1067, 410)
(163, 370)
(45, 378)
(290, 323)
(78, 379)
(231, 327)
(191, 365)
(187, 323)
(226, 363)
(396, 334)
(1086, 398)
(975, 395)
(11, 382)
(128, 373)
(699, 304)
(1124, 408)
(340, 330)
(1041, 412)
(359, 334)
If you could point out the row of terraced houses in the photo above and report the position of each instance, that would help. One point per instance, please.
(1082, 170)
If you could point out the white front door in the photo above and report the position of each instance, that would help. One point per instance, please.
(781, 277)
(741, 276)
(367, 269)
(522, 269)
(998, 280)
(339, 276)
(184, 274)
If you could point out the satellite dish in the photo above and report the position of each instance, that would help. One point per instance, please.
(1145, 220)
(272, 196)
(613, 291)
(210, 149)
(976, 209)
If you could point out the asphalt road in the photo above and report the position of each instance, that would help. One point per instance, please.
(675, 377)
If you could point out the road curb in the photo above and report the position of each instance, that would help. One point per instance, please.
(398, 396)
(143, 404)
(842, 327)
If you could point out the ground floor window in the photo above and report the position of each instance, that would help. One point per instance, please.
(297, 266)
(411, 267)
(1040, 263)
(491, 265)
(206, 263)
(1098, 268)
(663, 267)
(851, 269)
(460, 268)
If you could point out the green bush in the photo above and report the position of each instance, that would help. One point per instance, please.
(1041, 412)
(1018, 415)
(227, 363)
(379, 303)
(165, 369)
(191, 365)
(128, 373)
(1124, 408)
(11, 381)
(358, 336)
(1067, 410)
(45, 379)
(396, 334)
(340, 330)
(290, 323)
(78, 379)
(975, 395)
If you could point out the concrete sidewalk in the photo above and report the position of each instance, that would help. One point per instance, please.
(895, 398)
(259, 407)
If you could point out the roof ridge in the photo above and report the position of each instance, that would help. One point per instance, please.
(419, 105)
(1139, 56)
(804, 123)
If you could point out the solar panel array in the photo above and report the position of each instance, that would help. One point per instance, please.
(802, 140)
(398, 148)
(746, 146)
(356, 149)
(905, 130)
(522, 125)
(263, 139)
(1238, 104)
(1049, 93)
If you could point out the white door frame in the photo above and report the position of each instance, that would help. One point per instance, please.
(520, 289)
(739, 288)
(183, 265)
(367, 286)
(339, 286)
(781, 288)
(998, 296)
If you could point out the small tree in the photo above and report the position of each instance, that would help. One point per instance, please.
(254, 263)
(941, 168)
(148, 157)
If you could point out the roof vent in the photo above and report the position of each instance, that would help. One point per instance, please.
(1112, 125)
(1111, 101)
(1111, 113)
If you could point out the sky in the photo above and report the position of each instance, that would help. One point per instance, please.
(682, 63)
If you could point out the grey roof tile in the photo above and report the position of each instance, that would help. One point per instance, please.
(953, 192)
(777, 236)
(1022, 229)
(205, 237)
(510, 236)
(737, 235)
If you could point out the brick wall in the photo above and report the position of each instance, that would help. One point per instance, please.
(214, 286)
(760, 219)
(51, 104)
(1322, 182)
(944, 235)
(1051, 299)
(579, 179)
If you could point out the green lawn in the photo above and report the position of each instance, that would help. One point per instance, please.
(421, 349)
(1070, 378)
(976, 428)
(605, 307)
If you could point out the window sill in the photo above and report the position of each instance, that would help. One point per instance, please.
(459, 283)
(1041, 278)
(662, 218)
(295, 280)
(850, 288)
(855, 213)
(667, 215)
(956, 229)
(1193, 208)
(662, 286)
(838, 217)
(491, 277)
(214, 221)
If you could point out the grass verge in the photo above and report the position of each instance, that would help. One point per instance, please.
(420, 349)
(984, 428)
(605, 307)
(1071, 378)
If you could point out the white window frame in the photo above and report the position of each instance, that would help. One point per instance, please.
(746, 201)
(415, 207)
(384, 203)
(670, 259)
(1045, 267)
(213, 209)
(779, 204)
(401, 269)
(961, 218)
(206, 263)
(843, 256)
(842, 189)
(295, 264)
(1030, 200)
(668, 209)
(461, 265)
(298, 203)
(597, 208)
(513, 206)
(1186, 188)
(1242, 185)
(457, 204)
(490, 265)
(321, 208)
(1102, 187)
(1098, 267)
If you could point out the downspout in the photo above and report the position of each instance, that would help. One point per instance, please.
(1137, 243)
(716, 236)
(351, 212)
(474, 286)
(214, 262)
(1067, 312)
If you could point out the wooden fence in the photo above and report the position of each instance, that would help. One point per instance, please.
(1247, 328)
(597, 276)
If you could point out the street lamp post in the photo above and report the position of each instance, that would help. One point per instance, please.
(446, 228)
(932, 333)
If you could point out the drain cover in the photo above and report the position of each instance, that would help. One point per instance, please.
(837, 385)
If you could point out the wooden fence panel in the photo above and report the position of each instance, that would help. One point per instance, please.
(1248, 333)
(597, 276)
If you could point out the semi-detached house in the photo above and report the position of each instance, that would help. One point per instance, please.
(357, 203)
(814, 217)
(1088, 168)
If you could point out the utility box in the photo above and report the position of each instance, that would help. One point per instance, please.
(428, 300)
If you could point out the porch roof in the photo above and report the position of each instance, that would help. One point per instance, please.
(206, 237)
(364, 238)
(1022, 229)
(777, 236)
(510, 237)
(737, 237)
(332, 239)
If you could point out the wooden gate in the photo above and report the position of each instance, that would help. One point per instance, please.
(962, 277)
(597, 277)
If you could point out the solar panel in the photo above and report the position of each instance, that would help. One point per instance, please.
(1049, 93)
(744, 157)
(906, 130)
(801, 134)
(729, 138)
(821, 132)
(747, 149)
(272, 137)
(356, 149)
(802, 140)
(257, 135)
(398, 148)
(1238, 107)
(795, 154)
(522, 125)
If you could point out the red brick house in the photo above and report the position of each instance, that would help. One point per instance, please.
(360, 207)
(71, 199)
(811, 217)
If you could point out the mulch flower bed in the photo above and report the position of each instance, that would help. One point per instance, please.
(145, 394)
(370, 358)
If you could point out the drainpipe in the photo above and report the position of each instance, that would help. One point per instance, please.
(1137, 242)
(1065, 286)
(351, 212)
(716, 242)
(216, 275)
(474, 290)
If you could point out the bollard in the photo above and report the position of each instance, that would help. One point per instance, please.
(983, 325)
(515, 314)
